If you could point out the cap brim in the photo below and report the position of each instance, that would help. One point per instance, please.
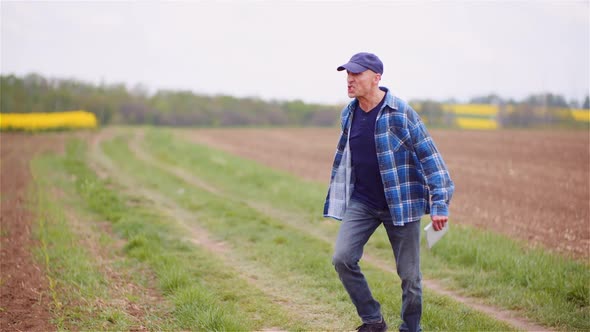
(352, 67)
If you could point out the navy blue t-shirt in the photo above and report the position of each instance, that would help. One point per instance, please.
(368, 187)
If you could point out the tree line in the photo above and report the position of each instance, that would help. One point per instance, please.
(117, 104)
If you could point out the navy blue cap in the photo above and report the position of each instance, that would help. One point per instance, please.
(361, 62)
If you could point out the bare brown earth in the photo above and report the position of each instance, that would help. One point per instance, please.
(530, 185)
(24, 289)
(24, 304)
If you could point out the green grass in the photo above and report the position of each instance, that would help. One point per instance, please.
(79, 291)
(551, 288)
(275, 267)
(206, 294)
(545, 287)
(290, 254)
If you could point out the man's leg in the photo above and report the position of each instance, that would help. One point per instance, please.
(356, 228)
(405, 242)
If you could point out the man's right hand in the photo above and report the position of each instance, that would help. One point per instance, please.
(438, 222)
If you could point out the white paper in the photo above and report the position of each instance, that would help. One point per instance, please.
(433, 236)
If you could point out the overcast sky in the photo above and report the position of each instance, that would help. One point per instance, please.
(290, 50)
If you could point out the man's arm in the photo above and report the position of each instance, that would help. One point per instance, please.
(437, 175)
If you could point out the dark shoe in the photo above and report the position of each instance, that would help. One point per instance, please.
(374, 327)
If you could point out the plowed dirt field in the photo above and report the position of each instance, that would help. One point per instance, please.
(24, 301)
(530, 185)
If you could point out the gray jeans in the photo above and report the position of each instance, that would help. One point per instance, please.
(358, 224)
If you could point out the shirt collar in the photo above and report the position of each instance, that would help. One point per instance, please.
(390, 99)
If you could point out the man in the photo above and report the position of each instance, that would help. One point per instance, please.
(387, 170)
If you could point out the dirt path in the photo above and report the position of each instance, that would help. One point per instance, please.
(295, 221)
(24, 305)
(529, 185)
(283, 292)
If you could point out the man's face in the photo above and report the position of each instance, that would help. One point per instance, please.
(359, 85)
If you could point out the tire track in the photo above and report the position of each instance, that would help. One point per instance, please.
(510, 317)
(280, 292)
(120, 283)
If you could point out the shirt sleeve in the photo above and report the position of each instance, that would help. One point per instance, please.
(438, 179)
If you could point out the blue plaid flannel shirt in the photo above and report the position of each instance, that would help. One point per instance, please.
(414, 175)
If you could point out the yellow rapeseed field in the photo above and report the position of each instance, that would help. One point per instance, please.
(472, 109)
(48, 121)
(581, 115)
(476, 123)
(474, 116)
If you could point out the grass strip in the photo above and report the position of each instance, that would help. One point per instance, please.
(222, 289)
(130, 283)
(154, 241)
(213, 213)
(291, 253)
(79, 291)
(545, 287)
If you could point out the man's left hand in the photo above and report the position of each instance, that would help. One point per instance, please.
(438, 222)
